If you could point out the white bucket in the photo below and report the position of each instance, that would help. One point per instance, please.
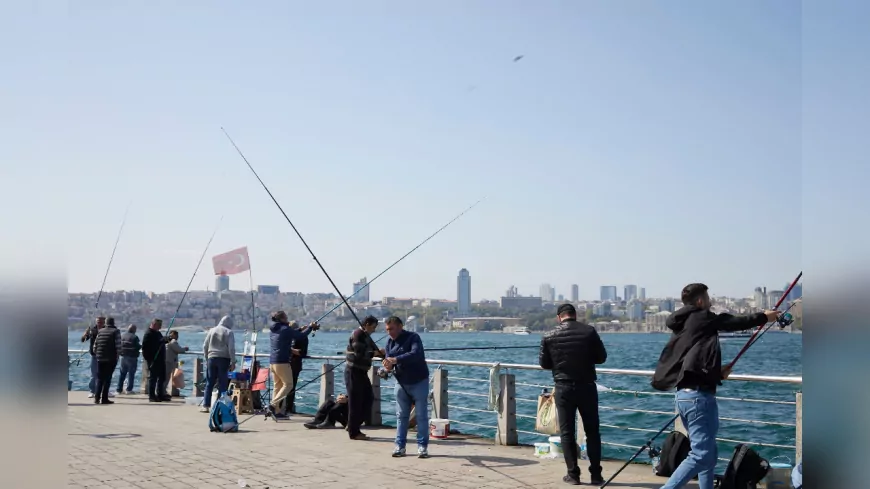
(542, 449)
(439, 428)
(779, 476)
(555, 444)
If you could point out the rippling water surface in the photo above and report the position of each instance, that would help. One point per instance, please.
(774, 354)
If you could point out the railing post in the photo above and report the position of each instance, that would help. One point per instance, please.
(198, 386)
(375, 413)
(439, 392)
(799, 429)
(507, 411)
(327, 383)
(143, 383)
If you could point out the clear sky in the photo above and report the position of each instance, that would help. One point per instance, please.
(649, 143)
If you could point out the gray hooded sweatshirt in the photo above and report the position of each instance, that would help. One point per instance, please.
(220, 341)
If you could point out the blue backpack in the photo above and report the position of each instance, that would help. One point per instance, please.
(223, 415)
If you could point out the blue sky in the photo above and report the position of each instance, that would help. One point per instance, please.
(643, 143)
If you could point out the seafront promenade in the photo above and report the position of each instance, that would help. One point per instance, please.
(137, 444)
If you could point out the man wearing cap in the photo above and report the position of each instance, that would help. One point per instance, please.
(571, 352)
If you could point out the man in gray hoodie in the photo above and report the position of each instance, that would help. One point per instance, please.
(220, 350)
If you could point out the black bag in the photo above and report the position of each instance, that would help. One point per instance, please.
(674, 451)
(745, 470)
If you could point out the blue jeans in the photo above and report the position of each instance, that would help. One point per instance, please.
(128, 370)
(95, 372)
(218, 374)
(419, 395)
(700, 415)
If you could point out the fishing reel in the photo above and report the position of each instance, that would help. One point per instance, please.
(384, 373)
(784, 320)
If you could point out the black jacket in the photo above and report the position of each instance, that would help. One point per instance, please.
(130, 345)
(107, 345)
(692, 358)
(153, 347)
(361, 348)
(571, 351)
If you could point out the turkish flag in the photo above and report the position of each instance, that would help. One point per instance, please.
(231, 262)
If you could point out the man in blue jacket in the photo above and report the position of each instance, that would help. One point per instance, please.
(407, 361)
(281, 339)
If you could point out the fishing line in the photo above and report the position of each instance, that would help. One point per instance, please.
(78, 361)
(195, 270)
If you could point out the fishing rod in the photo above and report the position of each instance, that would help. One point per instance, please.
(782, 321)
(195, 270)
(758, 330)
(647, 445)
(402, 258)
(106, 275)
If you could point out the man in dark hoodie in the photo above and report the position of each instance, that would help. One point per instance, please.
(281, 337)
(154, 354)
(571, 352)
(691, 362)
(107, 349)
(89, 336)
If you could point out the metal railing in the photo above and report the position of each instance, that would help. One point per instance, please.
(618, 407)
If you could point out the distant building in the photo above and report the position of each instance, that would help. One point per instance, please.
(608, 293)
(667, 305)
(521, 303)
(630, 293)
(760, 298)
(222, 283)
(268, 289)
(561, 298)
(463, 293)
(361, 291)
(796, 293)
(548, 294)
(575, 293)
(511, 292)
(642, 294)
(634, 310)
(773, 297)
(603, 309)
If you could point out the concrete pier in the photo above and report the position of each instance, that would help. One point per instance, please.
(137, 444)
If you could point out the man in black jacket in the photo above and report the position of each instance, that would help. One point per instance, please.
(91, 335)
(571, 351)
(107, 348)
(300, 343)
(691, 362)
(154, 354)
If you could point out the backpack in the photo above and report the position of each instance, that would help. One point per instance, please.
(674, 451)
(223, 415)
(745, 470)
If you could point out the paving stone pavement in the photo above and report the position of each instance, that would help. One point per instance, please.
(137, 444)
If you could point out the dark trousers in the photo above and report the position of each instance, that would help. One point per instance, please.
(359, 398)
(571, 398)
(296, 367)
(218, 375)
(156, 378)
(104, 379)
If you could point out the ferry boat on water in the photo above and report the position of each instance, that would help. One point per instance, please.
(522, 330)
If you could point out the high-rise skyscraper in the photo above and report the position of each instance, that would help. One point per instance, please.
(548, 294)
(630, 293)
(575, 293)
(642, 294)
(760, 296)
(222, 283)
(608, 292)
(463, 292)
(361, 291)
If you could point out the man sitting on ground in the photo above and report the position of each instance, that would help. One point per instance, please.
(328, 413)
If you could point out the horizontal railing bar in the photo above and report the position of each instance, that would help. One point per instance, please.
(611, 408)
(525, 416)
(453, 421)
(774, 423)
(470, 380)
(526, 400)
(772, 445)
(521, 366)
(461, 408)
(467, 394)
(627, 428)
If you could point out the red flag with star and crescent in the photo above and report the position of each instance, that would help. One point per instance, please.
(231, 262)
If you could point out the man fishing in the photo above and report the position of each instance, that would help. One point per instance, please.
(361, 349)
(407, 360)
(300, 344)
(90, 335)
(281, 339)
(130, 348)
(571, 351)
(691, 362)
(107, 350)
(154, 354)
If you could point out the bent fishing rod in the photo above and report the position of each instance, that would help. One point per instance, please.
(106, 275)
(186, 290)
(648, 444)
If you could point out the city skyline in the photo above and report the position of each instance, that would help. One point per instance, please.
(371, 139)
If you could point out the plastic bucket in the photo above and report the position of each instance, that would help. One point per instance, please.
(542, 449)
(439, 428)
(779, 476)
(555, 444)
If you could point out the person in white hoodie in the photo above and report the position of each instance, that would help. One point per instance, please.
(220, 350)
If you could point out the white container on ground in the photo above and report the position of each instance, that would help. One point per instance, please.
(542, 449)
(779, 476)
(439, 428)
(555, 444)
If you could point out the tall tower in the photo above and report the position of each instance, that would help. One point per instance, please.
(575, 293)
(222, 283)
(363, 295)
(463, 292)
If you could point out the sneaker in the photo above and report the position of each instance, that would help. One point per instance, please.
(422, 452)
(129, 393)
(91, 395)
(204, 409)
(570, 480)
(360, 437)
(111, 394)
(399, 451)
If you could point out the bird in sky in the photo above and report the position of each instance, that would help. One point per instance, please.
(518, 58)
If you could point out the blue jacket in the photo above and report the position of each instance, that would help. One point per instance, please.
(281, 340)
(407, 349)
